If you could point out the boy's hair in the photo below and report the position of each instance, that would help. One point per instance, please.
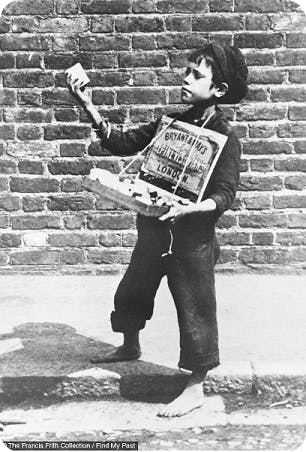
(228, 66)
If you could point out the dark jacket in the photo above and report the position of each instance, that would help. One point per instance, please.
(193, 229)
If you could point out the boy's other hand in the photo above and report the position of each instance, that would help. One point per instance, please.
(75, 85)
(177, 211)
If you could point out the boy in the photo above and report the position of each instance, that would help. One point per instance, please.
(181, 243)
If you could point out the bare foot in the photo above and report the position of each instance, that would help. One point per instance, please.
(121, 353)
(191, 398)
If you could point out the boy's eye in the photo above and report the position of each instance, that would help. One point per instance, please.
(187, 72)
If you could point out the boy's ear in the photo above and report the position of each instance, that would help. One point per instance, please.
(221, 90)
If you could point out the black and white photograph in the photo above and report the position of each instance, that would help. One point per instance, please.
(153, 225)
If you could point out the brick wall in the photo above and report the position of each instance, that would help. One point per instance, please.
(134, 52)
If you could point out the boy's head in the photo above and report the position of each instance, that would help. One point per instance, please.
(215, 74)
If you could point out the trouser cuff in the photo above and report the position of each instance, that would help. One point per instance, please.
(123, 323)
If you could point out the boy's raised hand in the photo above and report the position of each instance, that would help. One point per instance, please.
(74, 85)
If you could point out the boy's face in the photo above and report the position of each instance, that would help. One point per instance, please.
(197, 86)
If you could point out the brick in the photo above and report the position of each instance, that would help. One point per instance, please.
(28, 80)
(58, 98)
(179, 23)
(65, 44)
(7, 167)
(29, 7)
(296, 40)
(25, 24)
(291, 238)
(240, 130)
(66, 115)
(73, 203)
(36, 239)
(32, 115)
(259, 58)
(33, 204)
(209, 23)
(63, 25)
(262, 165)
(72, 257)
(140, 115)
(4, 221)
(266, 76)
(128, 239)
(263, 256)
(287, 22)
(291, 164)
(262, 130)
(261, 112)
(220, 6)
(29, 98)
(244, 165)
(259, 41)
(95, 149)
(72, 149)
(297, 220)
(36, 222)
(261, 183)
(297, 255)
(93, 43)
(30, 167)
(139, 24)
(262, 238)
(71, 185)
(4, 259)
(295, 182)
(101, 97)
(7, 132)
(5, 24)
(227, 256)
(102, 24)
(297, 113)
(105, 204)
(9, 203)
(12, 42)
(143, 42)
(227, 221)
(110, 239)
(258, 202)
(29, 133)
(105, 6)
(10, 240)
(28, 61)
(233, 238)
(62, 132)
(66, 240)
(257, 94)
(74, 221)
(105, 61)
(258, 6)
(289, 93)
(35, 257)
(174, 96)
(144, 78)
(257, 22)
(263, 220)
(114, 115)
(141, 59)
(181, 6)
(144, 6)
(32, 149)
(178, 58)
(2, 148)
(68, 167)
(7, 61)
(300, 147)
(267, 147)
(141, 96)
(34, 185)
(126, 221)
(181, 41)
(109, 256)
(109, 79)
(297, 75)
(169, 78)
(291, 57)
(3, 183)
(294, 130)
(67, 7)
(289, 201)
(112, 165)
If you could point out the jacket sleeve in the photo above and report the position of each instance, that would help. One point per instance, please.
(225, 179)
(130, 142)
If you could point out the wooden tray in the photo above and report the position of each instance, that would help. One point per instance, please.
(122, 199)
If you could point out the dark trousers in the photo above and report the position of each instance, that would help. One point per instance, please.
(190, 276)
